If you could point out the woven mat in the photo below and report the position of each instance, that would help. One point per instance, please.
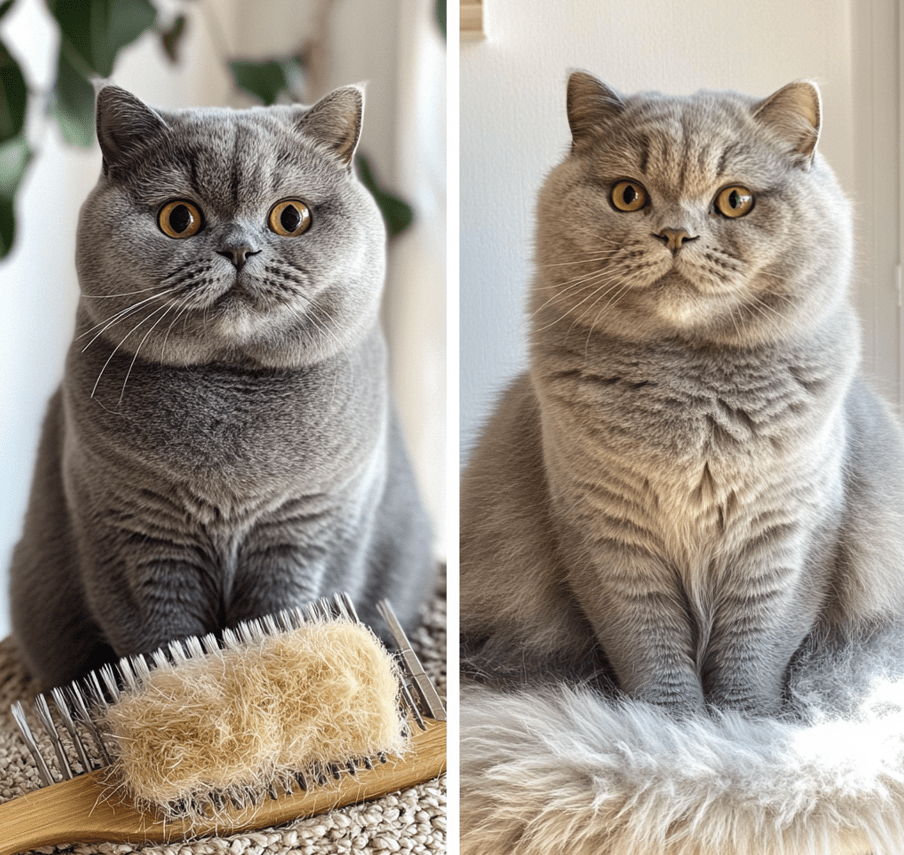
(410, 821)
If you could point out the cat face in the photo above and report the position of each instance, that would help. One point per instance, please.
(222, 235)
(709, 216)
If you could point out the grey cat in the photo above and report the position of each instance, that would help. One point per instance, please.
(223, 444)
(692, 485)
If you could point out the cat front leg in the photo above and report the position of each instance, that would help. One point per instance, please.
(147, 592)
(276, 575)
(279, 577)
(762, 613)
(307, 548)
(642, 621)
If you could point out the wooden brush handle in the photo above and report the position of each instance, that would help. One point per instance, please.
(84, 811)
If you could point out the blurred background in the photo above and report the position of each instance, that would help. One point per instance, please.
(185, 53)
(514, 130)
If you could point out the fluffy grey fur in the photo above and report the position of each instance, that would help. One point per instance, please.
(692, 489)
(223, 444)
(562, 771)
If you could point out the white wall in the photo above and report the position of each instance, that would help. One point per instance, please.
(514, 127)
(38, 287)
(402, 58)
(877, 188)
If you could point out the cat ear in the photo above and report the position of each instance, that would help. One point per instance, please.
(591, 105)
(335, 121)
(124, 124)
(794, 114)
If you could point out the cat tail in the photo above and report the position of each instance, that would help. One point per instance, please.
(565, 770)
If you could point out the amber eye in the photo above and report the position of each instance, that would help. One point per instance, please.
(179, 219)
(290, 218)
(628, 196)
(734, 202)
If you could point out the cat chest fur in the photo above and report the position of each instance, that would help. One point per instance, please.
(228, 425)
(692, 461)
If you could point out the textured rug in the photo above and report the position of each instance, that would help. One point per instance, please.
(411, 821)
(551, 770)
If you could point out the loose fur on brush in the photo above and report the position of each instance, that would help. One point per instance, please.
(690, 509)
(253, 715)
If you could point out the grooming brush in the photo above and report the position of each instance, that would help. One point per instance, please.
(278, 682)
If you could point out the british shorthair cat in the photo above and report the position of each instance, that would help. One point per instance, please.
(223, 444)
(693, 482)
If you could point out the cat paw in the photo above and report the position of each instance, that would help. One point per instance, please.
(680, 704)
(750, 705)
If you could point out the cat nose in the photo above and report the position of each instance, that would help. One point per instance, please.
(675, 238)
(238, 255)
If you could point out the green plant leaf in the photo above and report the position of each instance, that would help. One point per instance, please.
(72, 104)
(171, 38)
(6, 6)
(98, 29)
(266, 79)
(14, 157)
(7, 227)
(13, 95)
(441, 17)
(397, 214)
(263, 80)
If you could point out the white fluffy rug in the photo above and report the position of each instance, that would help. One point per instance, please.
(565, 770)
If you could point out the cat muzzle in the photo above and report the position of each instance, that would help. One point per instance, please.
(675, 239)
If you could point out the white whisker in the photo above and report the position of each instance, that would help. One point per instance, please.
(143, 340)
(590, 259)
(183, 308)
(595, 279)
(601, 291)
(122, 314)
(121, 342)
(124, 294)
(619, 291)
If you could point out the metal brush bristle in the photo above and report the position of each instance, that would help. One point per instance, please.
(416, 677)
(78, 744)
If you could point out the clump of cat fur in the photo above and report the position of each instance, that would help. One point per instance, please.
(253, 716)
